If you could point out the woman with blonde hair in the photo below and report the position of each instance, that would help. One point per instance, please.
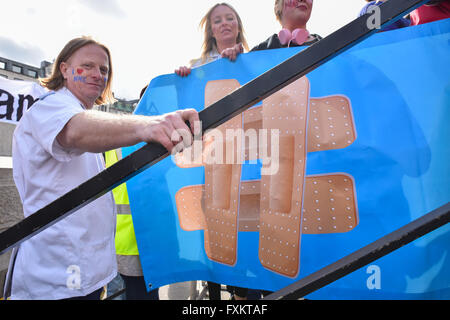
(223, 37)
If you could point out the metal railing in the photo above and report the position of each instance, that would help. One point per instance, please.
(366, 255)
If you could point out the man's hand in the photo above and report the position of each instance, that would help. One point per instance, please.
(171, 130)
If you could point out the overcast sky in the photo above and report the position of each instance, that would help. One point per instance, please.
(147, 38)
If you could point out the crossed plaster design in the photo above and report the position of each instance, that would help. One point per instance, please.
(280, 206)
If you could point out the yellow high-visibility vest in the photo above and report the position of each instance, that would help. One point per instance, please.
(125, 238)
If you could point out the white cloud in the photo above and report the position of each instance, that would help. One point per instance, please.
(21, 51)
(111, 7)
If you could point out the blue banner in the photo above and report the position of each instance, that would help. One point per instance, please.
(394, 90)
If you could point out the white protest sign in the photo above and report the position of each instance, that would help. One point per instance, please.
(16, 97)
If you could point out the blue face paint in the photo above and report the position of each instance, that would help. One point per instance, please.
(79, 79)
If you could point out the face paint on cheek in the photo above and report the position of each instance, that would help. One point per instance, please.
(79, 79)
(77, 75)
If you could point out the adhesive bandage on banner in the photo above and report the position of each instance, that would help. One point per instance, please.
(286, 204)
(282, 192)
(222, 179)
(329, 205)
(330, 125)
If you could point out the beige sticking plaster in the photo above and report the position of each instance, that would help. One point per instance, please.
(221, 202)
(330, 127)
(330, 124)
(331, 205)
(273, 205)
(282, 192)
(332, 209)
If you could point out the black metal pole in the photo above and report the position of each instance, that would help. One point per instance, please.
(364, 256)
(218, 113)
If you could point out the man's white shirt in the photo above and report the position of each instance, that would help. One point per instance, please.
(76, 255)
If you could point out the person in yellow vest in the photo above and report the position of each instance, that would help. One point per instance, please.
(127, 253)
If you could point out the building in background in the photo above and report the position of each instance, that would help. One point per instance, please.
(121, 106)
(15, 70)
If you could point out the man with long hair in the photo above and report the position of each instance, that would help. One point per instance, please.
(56, 147)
